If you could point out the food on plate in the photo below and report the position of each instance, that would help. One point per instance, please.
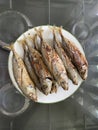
(41, 70)
(46, 59)
(70, 68)
(22, 77)
(54, 63)
(77, 58)
(29, 67)
(34, 42)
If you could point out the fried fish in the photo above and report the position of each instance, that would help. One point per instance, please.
(41, 70)
(70, 68)
(54, 63)
(77, 58)
(22, 77)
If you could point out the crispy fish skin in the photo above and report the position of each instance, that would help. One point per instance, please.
(22, 77)
(70, 68)
(30, 69)
(37, 42)
(41, 71)
(77, 58)
(54, 63)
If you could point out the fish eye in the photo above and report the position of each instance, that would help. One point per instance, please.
(30, 86)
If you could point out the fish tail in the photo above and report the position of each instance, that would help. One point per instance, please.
(9, 47)
(60, 30)
(54, 28)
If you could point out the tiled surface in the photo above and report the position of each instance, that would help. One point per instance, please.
(59, 116)
(4, 5)
(36, 11)
(65, 12)
(4, 123)
(66, 115)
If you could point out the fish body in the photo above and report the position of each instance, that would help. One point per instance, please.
(22, 77)
(77, 58)
(55, 64)
(29, 67)
(37, 42)
(70, 68)
(41, 71)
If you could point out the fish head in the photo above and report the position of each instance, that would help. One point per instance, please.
(32, 97)
(47, 86)
(84, 72)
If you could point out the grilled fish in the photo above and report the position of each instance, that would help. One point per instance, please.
(54, 63)
(41, 70)
(70, 68)
(35, 42)
(77, 58)
(29, 67)
(22, 77)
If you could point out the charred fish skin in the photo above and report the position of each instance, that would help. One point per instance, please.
(22, 77)
(29, 67)
(77, 58)
(54, 64)
(41, 70)
(70, 68)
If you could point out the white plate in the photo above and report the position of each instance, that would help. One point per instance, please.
(61, 94)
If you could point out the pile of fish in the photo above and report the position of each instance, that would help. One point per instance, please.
(46, 66)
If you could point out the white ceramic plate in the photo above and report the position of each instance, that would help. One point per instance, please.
(61, 94)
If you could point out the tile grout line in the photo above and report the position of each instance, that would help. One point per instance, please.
(11, 125)
(49, 11)
(11, 4)
(49, 111)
